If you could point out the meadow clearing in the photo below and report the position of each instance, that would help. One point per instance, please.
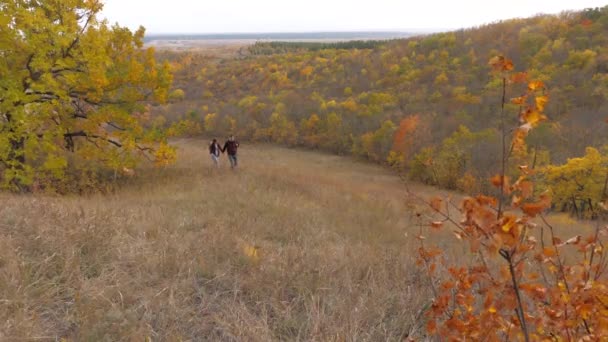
(294, 245)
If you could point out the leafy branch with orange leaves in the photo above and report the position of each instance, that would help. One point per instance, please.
(522, 281)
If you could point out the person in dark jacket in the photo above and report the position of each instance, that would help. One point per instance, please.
(231, 146)
(214, 151)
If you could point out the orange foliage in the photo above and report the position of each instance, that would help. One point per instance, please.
(501, 64)
(518, 286)
(404, 136)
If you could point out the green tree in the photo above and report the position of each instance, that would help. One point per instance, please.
(376, 145)
(70, 84)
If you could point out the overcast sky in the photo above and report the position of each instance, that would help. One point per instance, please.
(203, 16)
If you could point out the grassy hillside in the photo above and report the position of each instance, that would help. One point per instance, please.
(170, 256)
(293, 246)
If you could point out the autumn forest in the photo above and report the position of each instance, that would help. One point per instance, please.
(414, 102)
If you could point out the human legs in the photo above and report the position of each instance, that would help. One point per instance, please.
(216, 160)
(233, 160)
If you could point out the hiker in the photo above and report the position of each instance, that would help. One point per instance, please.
(231, 146)
(214, 151)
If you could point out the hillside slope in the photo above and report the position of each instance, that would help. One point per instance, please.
(171, 256)
(294, 245)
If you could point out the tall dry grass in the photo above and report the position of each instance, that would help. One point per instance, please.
(292, 246)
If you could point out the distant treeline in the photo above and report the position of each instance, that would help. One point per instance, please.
(287, 36)
(270, 48)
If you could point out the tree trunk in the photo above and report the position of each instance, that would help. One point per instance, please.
(604, 194)
(16, 156)
(16, 162)
(575, 207)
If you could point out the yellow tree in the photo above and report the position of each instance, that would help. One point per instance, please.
(580, 184)
(70, 84)
(282, 130)
(309, 129)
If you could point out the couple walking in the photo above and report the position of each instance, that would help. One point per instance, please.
(231, 146)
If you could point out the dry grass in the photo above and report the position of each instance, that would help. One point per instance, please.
(293, 246)
(231, 48)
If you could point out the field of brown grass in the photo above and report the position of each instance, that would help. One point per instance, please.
(294, 245)
(217, 48)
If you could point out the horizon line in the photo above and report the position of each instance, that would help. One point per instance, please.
(412, 30)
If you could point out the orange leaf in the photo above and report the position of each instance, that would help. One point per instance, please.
(487, 200)
(448, 285)
(519, 77)
(519, 100)
(519, 138)
(585, 310)
(527, 189)
(498, 181)
(541, 102)
(532, 117)
(553, 314)
(496, 62)
(500, 63)
(435, 203)
(532, 209)
(475, 244)
(516, 201)
(437, 224)
(509, 223)
(535, 85)
(549, 252)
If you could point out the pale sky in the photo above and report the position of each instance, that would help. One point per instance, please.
(202, 16)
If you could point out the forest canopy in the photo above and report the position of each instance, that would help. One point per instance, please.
(410, 102)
